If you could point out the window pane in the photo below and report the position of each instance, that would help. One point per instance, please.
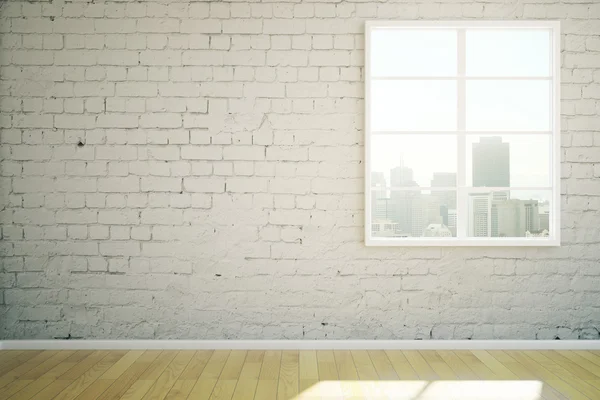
(508, 105)
(509, 160)
(514, 213)
(419, 52)
(413, 213)
(510, 52)
(413, 160)
(413, 105)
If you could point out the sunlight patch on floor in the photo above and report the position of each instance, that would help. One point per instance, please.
(425, 390)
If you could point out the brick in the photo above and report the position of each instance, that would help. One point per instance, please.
(204, 185)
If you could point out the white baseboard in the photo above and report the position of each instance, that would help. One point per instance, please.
(300, 344)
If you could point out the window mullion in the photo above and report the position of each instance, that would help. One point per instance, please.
(461, 176)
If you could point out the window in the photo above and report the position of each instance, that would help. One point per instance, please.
(462, 133)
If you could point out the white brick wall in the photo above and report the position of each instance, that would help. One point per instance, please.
(193, 170)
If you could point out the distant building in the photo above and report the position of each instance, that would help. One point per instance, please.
(532, 215)
(544, 215)
(379, 202)
(452, 221)
(425, 211)
(511, 218)
(542, 233)
(480, 216)
(386, 229)
(402, 176)
(383, 209)
(444, 179)
(491, 165)
(437, 230)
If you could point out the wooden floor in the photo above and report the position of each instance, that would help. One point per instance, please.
(239, 374)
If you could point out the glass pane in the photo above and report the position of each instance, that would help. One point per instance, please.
(413, 213)
(418, 52)
(508, 105)
(510, 52)
(514, 213)
(413, 105)
(413, 160)
(508, 160)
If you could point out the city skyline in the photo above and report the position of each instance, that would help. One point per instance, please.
(430, 212)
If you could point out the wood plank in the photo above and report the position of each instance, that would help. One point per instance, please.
(95, 389)
(288, 375)
(266, 389)
(345, 365)
(589, 356)
(223, 390)
(215, 364)
(517, 363)
(7, 355)
(138, 390)
(494, 365)
(438, 365)
(575, 369)
(271, 365)
(418, 363)
(401, 365)
(582, 363)
(16, 362)
(89, 376)
(462, 370)
(53, 389)
(560, 378)
(30, 364)
(53, 367)
(167, 379)
(252, 365)
(67, 364)
(157, 367)
(308, 368)
(383, 366)
(233, 365)
(207, 381)
(196, 365)
(121, 366)
(203, 388)
(84, 365)
(181, 389)
(245, 389)
(47, 365)
(31, 389)
(304, 385)
(13, 388)
(120, 386)
(364, 365)
(480, 369)
(326, 366)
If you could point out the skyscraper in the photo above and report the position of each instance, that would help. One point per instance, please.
(544, 216)
(402, 176)
(532, 215)
(480, 213)
(491, 164)
(403, 201)
(447, 198)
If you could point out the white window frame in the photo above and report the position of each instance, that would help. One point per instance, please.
(555, 156)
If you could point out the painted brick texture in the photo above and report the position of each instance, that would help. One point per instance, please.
(194, 170)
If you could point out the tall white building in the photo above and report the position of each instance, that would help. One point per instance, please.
(480, 215)
(452, 221)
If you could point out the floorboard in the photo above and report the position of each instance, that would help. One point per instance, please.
(296, 375)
